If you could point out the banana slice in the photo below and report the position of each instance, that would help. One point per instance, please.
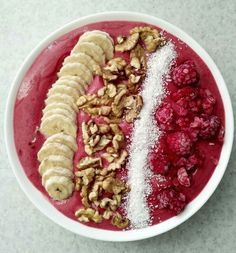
(62, 138)
(57, 106)
(77, 79)
(104, 33)
(72, 84)
(59, 111)
(76, 69)
(62, 98)
(101, 39)
(56, 171)
(90, 49)
(59, 187)
(58, 123)
(54, 149)
(63, 89)
(55, 161)
(85, 59)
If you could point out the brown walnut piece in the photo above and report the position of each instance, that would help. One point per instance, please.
(114, 69)
(150, 36)
(119, 221)
(116, 64)
(118, 162)
(113, 185)
(88, 214)
(133, 113)
(84, 195)
(87, 162)
(87, 175)
(138, 57)
(97, 137)
(128, 44)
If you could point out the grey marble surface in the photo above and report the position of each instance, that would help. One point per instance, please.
(22, 25)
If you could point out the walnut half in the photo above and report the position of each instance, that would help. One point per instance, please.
(88, 214)
(119, 221)
(88, 161)
(150, 36)
(129, 43)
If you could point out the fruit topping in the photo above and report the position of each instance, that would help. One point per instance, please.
(208, 101)
(164, 116)
(189, 163)
(208, 127)
(172, 200)
(185, 74)
(179, 143)
(183, 177)
(160, 163)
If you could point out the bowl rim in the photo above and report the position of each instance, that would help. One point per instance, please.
(44, 205)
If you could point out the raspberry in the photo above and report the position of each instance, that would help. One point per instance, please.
(208, 101)
(164, 116)
(211, 129)
(187, 93)
(181, 107)
(208, 127)
(185, 74)
(160, 182)
(183, 177)
(172, 200)
(193, 133)
(182, 122)
(193, 161)
(160, 163)
(179, 143)
(195, 106)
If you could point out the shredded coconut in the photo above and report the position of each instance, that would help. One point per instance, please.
(145, 134)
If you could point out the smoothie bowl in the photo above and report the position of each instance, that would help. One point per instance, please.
(116, 126)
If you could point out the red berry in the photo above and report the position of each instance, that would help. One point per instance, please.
(181, 107)
(211, 128)
(172, 200)
(195, 106)
(160, 182)
(208, 101)
(187, 93)
(183, 177)
(164, 116)
(185, 74)
(193, 133)
(159, 163)
(182, 122)
(208, 126)
(179, 143)
(189, 163)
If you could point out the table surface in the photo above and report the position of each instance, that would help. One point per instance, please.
(23, 24)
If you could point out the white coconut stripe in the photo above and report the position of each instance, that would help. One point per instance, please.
(145, 134)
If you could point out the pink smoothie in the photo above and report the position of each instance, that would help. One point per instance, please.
(30, 102)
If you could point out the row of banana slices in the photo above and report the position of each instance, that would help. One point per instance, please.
(58, 123)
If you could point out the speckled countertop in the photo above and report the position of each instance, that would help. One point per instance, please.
(23, 24)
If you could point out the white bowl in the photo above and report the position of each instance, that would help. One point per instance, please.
(43, 204)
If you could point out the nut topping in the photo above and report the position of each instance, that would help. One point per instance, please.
(87, 162)
(87, 175)
(88, 214)
(119, 221)
(129, 43)
(118, 162)
(133, 113)
(151, 37)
